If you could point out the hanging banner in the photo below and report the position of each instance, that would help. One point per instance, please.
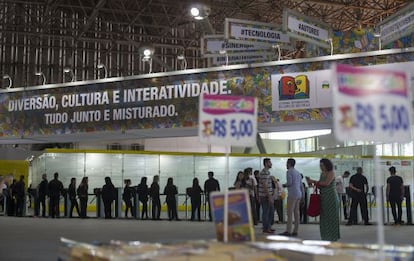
(236, 58)
(242, 31)
(213, 45)
(306, 28)
(371, 104)
(398, 25)
(301, 90)
(159, 104)
(227, 120)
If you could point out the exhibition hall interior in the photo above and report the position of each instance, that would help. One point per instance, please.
(174, 90)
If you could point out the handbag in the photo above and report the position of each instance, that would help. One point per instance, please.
(314, 208)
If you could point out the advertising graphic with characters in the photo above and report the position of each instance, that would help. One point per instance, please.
(294, 87)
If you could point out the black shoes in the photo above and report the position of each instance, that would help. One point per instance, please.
(285, 234)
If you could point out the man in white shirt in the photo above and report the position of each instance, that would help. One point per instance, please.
(340, 189)
(293, 185)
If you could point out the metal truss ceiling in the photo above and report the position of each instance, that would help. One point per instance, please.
(48, 35)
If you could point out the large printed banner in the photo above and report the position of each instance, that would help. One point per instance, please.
(122, 105)
(227, 120)
(372, 104)
(301, 90)
(398, 25)
(169, 100)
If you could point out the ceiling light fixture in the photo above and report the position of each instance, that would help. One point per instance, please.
(102, 66)
(7, 77)
(69, 70)
(43, 77)
(181, 57)
(295, 135)
(200, 11)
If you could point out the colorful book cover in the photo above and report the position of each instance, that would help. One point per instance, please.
(240, 223)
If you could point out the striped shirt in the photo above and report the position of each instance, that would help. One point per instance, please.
(264, 178)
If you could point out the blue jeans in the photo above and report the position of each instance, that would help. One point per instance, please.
(266, 212)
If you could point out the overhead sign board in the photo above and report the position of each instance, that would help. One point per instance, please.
(242, 31)
(371, 104)
(398, 25)
(227, 120)
(240, 58)
(306, 28)
(213, 45)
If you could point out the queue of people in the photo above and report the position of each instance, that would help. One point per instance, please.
(266, 196)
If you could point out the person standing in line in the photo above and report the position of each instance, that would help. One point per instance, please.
(11, 204)
(127, 198)
(20, 195)
(395, 194)
(302, 207)
(256, 177)
(294, 187)
(72, 197)
(142, 190)
(83, 196)
(171, 192)
(195, 195)
(42, 193)
(240, 181)
(108, 196)
(3, 186)
(210, 185)
(154, 192)
(266, 195)
(340, 189)
(329, 218)
(279, 196)
(55, 189)
(359, 189)
(251, 185)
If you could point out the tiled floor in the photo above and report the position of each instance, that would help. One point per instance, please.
(38, 238)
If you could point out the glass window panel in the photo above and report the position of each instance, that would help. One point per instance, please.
(387, 150)
(237, 164)
(68, 165)
(203, 165)
(184, 168)
(180, 168)
(37, 169)
(406, 149)
(137, 166)
(100, 165)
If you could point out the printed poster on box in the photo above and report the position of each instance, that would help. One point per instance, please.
(240, 223)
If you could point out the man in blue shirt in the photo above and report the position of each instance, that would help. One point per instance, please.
(293, 185)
